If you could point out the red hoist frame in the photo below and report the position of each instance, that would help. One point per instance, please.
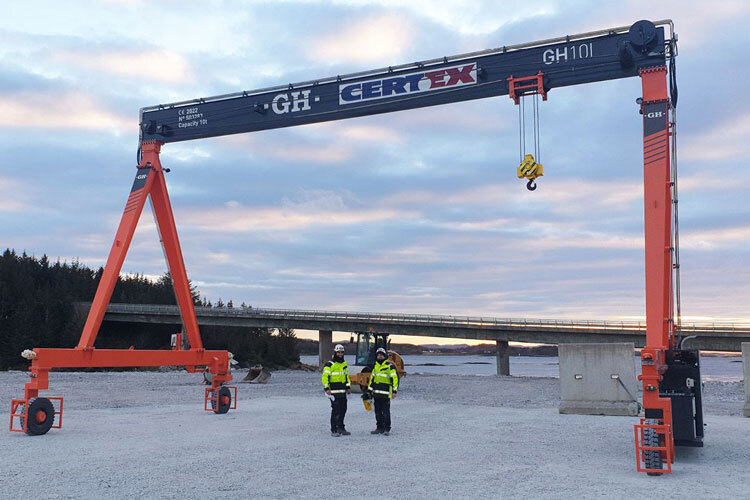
(35, 415)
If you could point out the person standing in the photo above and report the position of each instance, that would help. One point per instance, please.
(383, 386)
(337, 385)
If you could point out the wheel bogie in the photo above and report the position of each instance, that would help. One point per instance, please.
(41, 417)
(223, 402)
(652, 458)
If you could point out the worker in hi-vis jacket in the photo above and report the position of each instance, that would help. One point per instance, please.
(383, 386)
(337, 385)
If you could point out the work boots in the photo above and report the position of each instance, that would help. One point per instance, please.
(344, 432)
(377, 431)
(335, 434)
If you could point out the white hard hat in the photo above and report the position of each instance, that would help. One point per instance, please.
(338, 348)
(381, 351)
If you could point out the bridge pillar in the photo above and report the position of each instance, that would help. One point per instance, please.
(746, 368)
(325, 347)
(503, 359)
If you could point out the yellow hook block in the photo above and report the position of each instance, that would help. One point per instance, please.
(529, 169)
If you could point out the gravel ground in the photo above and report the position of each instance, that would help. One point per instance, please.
(144, 435)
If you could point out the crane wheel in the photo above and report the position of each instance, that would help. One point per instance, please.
(652, 458)
(225, 401)
(41, 417)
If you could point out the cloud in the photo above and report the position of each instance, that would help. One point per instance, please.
(587, 239)
(291, 147)
(72, 110)
(330, 153)
(218, 257)
(223, 285)
(466, 18)
(12, 198)
(727, 141)
(185, 153)
(713, 239)
(243, 219)
(329, 274)
(374, 39)
(317, 200)
(369, 133)
(564, 196)
(156, 64)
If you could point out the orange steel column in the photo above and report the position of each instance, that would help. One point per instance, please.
(132, 212)
(658, 237)
(171, 244)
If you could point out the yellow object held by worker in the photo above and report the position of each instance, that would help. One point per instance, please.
(529, 168)
(368, 404)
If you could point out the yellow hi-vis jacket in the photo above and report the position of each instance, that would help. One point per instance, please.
(383, 379)
(336, 377)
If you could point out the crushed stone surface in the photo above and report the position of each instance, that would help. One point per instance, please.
(145, 435)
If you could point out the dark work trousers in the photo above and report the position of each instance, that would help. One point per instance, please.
(338, 412)
(383, 413)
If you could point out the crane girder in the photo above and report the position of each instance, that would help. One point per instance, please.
(572, 60)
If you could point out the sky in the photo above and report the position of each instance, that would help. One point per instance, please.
(415, 212)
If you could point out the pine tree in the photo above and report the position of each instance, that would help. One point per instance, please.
(37, 309)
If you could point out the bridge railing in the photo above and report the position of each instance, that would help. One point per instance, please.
(426, 319)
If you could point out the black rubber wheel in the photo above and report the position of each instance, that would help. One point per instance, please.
(225, 401)
(41, 417)
(652, 458)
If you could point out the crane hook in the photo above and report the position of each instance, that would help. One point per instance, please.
(531, 185)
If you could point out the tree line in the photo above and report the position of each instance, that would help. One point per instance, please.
(37, 309)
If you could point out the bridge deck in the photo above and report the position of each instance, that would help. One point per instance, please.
(708, 336)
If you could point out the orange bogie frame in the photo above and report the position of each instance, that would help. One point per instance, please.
(666, 447)
(149, 181)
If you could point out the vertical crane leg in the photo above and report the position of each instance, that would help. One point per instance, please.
(655, 431)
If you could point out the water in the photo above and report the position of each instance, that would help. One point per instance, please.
(716, 368)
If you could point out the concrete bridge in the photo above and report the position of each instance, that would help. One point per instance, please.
(703, 336)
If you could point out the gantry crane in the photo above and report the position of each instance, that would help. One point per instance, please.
(670, 375)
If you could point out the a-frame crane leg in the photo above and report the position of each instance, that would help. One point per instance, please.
(149, 181)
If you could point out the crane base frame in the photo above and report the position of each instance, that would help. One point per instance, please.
(193, 360)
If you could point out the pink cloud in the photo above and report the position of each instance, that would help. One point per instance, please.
(160, 64)
(241, 219)
(727, 141)
(711, 239)
(74, 110)
(373, 39)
